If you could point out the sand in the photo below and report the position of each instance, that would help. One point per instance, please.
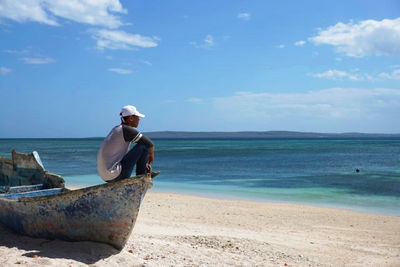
(183, 230)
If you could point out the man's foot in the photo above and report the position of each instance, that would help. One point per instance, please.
(154, 174)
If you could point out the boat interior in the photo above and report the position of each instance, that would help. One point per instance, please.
(23, 176)
(37, 190)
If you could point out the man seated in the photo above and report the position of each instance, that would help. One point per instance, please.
(114, 160)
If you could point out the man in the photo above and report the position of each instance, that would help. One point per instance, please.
(115, 161)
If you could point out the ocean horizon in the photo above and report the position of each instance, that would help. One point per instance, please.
(242, 135)
(316, 171)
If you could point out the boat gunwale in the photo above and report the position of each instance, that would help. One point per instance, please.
(142, 179)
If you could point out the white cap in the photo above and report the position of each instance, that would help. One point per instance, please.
(130, 111)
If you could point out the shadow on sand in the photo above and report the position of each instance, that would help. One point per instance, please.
(85, 252)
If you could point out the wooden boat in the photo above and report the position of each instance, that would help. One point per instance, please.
(35, 202)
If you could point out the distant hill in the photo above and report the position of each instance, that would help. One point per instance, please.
(262, 135)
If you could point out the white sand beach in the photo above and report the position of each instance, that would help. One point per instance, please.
(184, 230)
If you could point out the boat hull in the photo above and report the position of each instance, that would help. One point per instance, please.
(104, 213)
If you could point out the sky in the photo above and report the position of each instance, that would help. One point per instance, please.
(67, 67)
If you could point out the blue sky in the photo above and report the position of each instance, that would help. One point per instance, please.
(67, 67)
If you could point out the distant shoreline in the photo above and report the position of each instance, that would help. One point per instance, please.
(263, 135)
(244, 135)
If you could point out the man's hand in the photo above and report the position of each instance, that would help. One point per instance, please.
(149, 169)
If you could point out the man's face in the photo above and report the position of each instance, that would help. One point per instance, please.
(133, 121)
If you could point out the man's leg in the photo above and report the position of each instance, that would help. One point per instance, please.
(142, 161)
(138, 156)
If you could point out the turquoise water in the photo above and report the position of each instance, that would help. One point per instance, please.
(319, 172)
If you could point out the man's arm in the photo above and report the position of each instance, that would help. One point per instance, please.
(151, 155)
(145, 140)
(133, 135)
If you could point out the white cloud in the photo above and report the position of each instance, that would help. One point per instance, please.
(209, 40)
(395, 75)
(368, 37)
(5, 70)
(342, 75)
(337, 75)
(38, 60)
(90, 12)
(120, 71)
(17, 52)
(300, 43)
(148, 63)
(107, 39)
(194, 100)
(335, 109)
(244, 16)
(26, 10)
(207, 43)
(281, 46)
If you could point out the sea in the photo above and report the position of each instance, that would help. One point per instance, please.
(320, 172)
